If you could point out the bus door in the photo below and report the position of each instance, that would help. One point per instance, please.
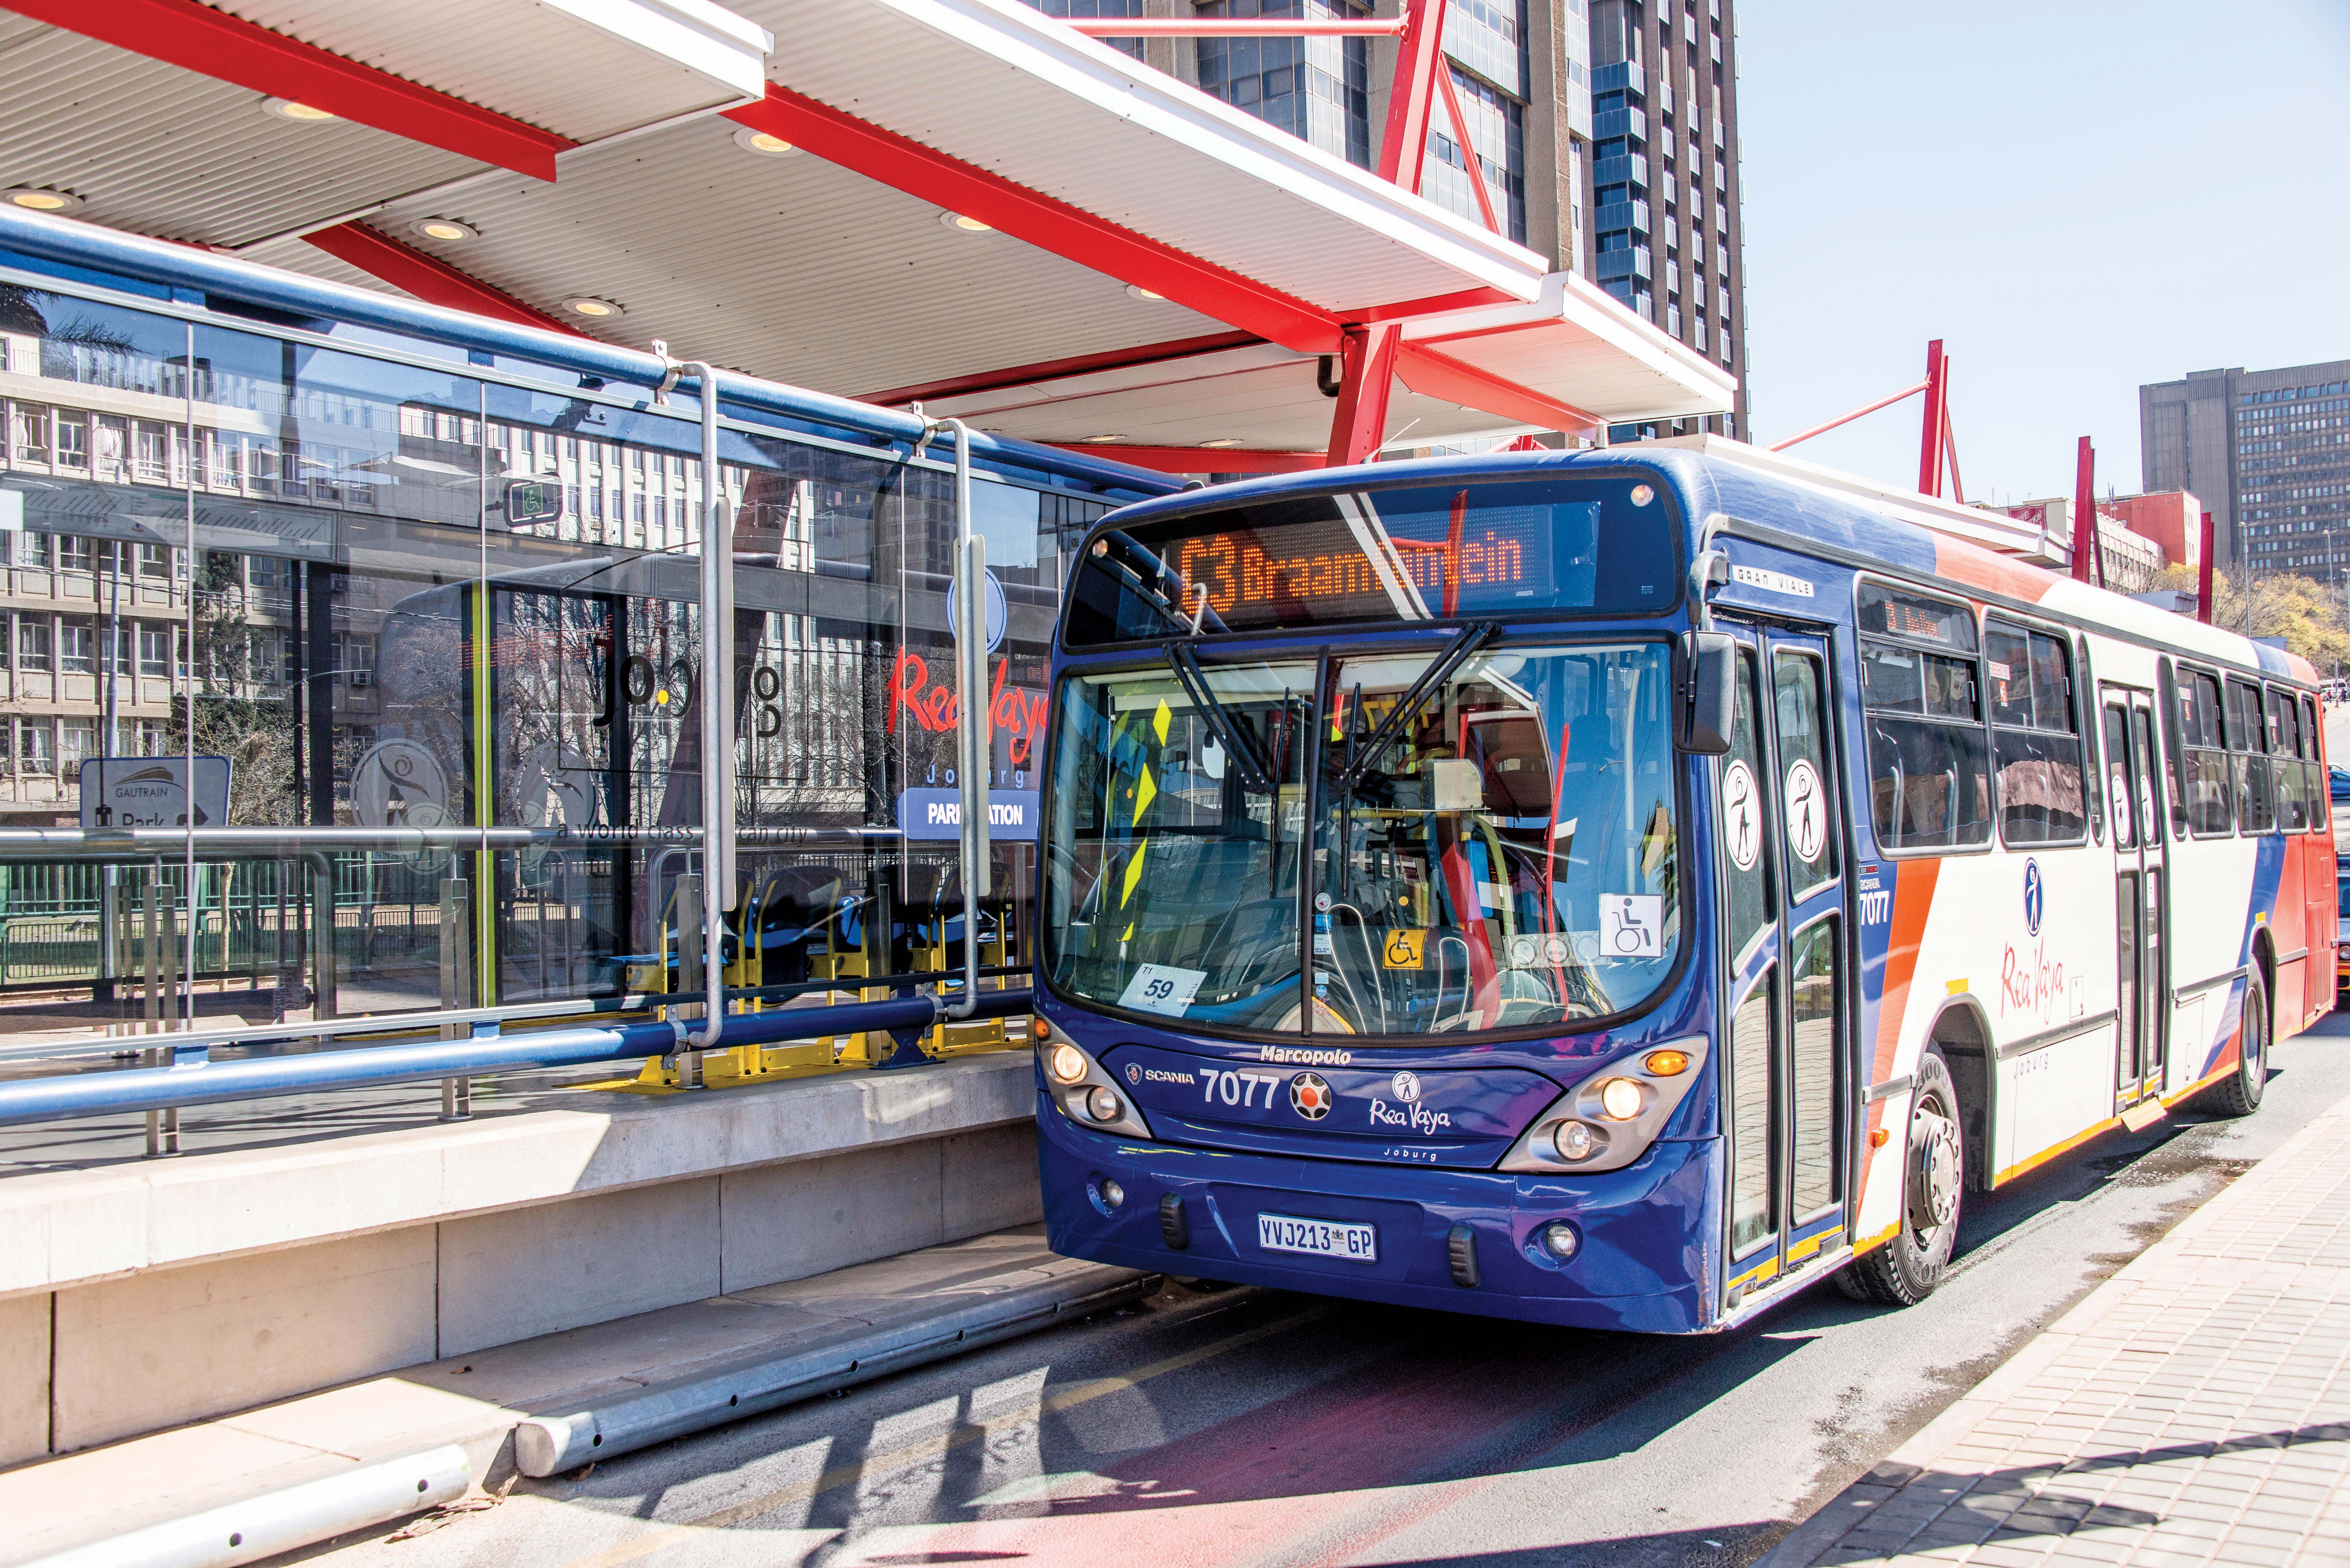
(2141, 914)
(1784, 1080)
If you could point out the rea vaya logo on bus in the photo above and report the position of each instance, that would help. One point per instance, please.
(1334, 1099)
(2031, 982)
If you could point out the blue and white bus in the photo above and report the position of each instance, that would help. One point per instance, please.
(1616, 889)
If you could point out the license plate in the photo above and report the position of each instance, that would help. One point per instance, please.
(1317, 1238)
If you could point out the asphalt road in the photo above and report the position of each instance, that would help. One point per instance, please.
(1244, 1427)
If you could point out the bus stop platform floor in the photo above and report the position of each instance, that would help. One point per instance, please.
(2194, 1409)
(475, 1401)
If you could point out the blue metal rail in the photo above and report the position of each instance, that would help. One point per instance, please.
(205, 1083)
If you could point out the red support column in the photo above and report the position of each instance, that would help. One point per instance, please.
(1403, 146)
(2084, 514)
(1366, 354)
(2203, 576)
(1930, 441)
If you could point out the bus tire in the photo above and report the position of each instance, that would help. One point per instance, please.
(2239, 1094)
(1905, 1270)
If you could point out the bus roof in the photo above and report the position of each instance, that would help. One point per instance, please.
(1852, 517)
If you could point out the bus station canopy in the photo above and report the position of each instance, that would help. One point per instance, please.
(1155, 267)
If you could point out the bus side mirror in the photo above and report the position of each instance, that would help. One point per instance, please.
(1706, 683)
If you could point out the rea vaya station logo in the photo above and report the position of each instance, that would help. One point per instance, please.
(2031, 982)
(1017, 712)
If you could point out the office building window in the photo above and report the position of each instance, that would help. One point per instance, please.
(33, 643)
(1318, 90)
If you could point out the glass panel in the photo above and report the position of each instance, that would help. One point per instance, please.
(1812, 996)
(2313, 781)
(2126, 922)
(1805, 779)
(2284, 732)
(1745, 860)
(2147, 782)
(2117, 777)
(1503, 853)
(2247, 737)
(1171, 871)
(1754, 1166)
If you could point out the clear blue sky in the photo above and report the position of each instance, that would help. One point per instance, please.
(2076, 197)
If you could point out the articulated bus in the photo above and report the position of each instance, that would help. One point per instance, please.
(1616, 888)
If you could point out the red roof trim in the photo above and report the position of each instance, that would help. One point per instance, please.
(1056, 369)
(429, 278)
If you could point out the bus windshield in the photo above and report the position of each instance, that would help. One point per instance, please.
(1495, 844)
(1399, 552)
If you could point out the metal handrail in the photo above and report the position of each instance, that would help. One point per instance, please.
(219, 1083)
(100, 842)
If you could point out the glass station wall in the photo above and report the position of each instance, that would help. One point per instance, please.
(390, 582)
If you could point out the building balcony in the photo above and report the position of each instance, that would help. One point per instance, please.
(1613, 122)
(1627, 264)
(1623, 76)
(1625, 169)
(1614, 216)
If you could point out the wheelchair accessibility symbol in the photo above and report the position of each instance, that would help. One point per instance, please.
(1404, 948)
(1631, 925)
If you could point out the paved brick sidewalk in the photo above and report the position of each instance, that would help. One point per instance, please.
(2194, 1409)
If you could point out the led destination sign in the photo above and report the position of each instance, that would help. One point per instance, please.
(1403, 553)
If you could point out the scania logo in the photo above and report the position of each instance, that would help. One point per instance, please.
(1310, 1097)
(1133, 1072)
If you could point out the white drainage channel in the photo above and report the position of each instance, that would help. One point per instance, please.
(281, 1520)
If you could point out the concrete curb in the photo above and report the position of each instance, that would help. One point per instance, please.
(282, 1521)
(547, 1445)
(1850, 1508)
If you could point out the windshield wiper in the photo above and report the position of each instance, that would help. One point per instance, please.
(1431, 680)
(1238, 743)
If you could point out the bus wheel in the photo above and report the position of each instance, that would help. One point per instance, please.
(2238, 1095)
(1906, 1270)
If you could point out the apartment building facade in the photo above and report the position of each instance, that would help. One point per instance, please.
(2268, 451)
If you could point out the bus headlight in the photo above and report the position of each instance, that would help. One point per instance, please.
(1620, 1099)
(1609, 1120)
(1083, 1090)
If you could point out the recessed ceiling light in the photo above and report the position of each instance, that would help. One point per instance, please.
(1138, 292)
(444, 229)
(41, 199)
(1096, 441)
(288, 108)
(968, 225)
(762, 143)
(590, 306)
(1222, 440)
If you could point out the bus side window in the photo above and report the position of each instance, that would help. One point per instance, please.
(2312, 765)
(2248, 740)
(1929, 760)
(2035, 744)
(2173, 759)
(2284, 745)
(2208, 810)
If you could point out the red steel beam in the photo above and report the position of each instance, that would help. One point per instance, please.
(429, 278)
(1041, 220)
(1056, 369)
(1848, 419)
(1468, 146)
(1367, 360)
(1200, 459)
(2084, 512)
(1235, 26)
(1403, 146)
(213, 43)
(1432, 374)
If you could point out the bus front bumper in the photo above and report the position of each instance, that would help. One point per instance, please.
(1641, 1261)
